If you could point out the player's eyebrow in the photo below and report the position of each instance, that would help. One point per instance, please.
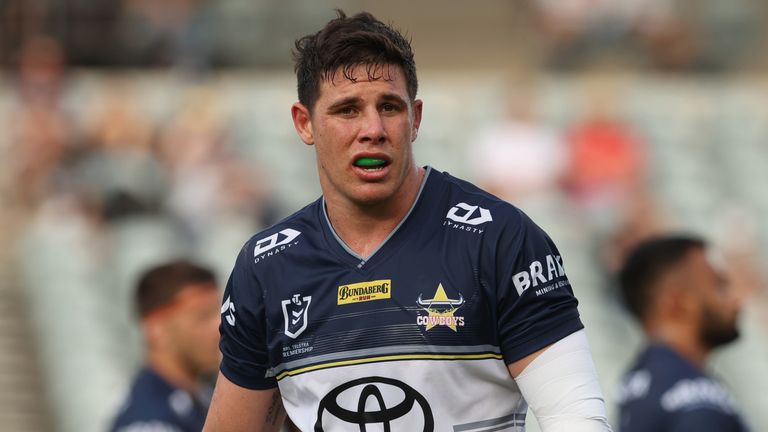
(352, 100)
(393, 97)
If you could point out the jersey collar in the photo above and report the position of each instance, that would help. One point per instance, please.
(361, 260)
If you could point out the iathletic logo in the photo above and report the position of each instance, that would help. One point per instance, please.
(365, 291)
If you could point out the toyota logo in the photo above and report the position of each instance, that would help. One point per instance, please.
(383, 391)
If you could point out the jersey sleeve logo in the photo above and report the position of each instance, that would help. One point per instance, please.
(275, 243)
(295, 312)
(228, 308)
(469, 214)
(536, 275)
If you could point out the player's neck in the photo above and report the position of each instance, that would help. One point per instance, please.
(364, 228)
(171, 370)
(683, 341)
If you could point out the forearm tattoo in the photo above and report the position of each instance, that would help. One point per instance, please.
(275, 411)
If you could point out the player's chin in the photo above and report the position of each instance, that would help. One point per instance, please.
(373, 193)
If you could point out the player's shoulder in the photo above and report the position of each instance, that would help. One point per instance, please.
(288, 232)
(667, 367)
(662, 375)
(468, 203)
(150, 405)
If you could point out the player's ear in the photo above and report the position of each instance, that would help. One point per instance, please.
(417, 106)
(302, 121)
(680, 303)
(152, 331)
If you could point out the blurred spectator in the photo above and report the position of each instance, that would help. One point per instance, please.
(606, 179)
(607, 161)
(167, 33)
(117, 166)
(737, 236)
(41, 132)
(41, 65)
(519, 159)
(178, 303)
(678, 290)
(582, 31)
(208, 183)
(667, 35)
(639, 219)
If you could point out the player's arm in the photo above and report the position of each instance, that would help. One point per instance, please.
(238, 409)
(560, 384)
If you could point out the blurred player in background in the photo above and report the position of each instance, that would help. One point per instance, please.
(178, 303)
(403, 297)
(677, 289)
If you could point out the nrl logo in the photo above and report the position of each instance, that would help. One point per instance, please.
(295, 315)
(440, 310)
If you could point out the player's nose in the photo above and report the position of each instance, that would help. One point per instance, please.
(372, 127)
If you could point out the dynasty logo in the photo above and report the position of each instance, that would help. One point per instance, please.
(365, 291)
(466, 217)
(440, 310)
(275, 243)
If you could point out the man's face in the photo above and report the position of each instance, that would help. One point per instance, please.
(192, 328)
(362, 131)
(720, 306)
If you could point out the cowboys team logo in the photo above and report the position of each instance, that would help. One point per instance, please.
(440, 310)
(295, 315)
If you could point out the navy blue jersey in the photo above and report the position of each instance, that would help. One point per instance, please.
(155, 405)
(415, 337)
(663, 392)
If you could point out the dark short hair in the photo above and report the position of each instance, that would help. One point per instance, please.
(159, 285)
(347, 42)
(647, 264)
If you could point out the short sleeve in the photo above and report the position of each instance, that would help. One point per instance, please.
(243, 329)
(536, 305)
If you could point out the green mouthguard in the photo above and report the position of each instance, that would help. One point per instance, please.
(370, 162)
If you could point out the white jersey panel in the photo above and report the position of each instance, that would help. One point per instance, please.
(411, 395)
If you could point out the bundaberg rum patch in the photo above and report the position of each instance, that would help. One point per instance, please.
(365, 291)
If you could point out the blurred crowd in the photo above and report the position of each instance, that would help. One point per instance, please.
(95, 192)
(98, 187)
(110, 160)
(598, 169)
(667, 35)
(708, 36)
